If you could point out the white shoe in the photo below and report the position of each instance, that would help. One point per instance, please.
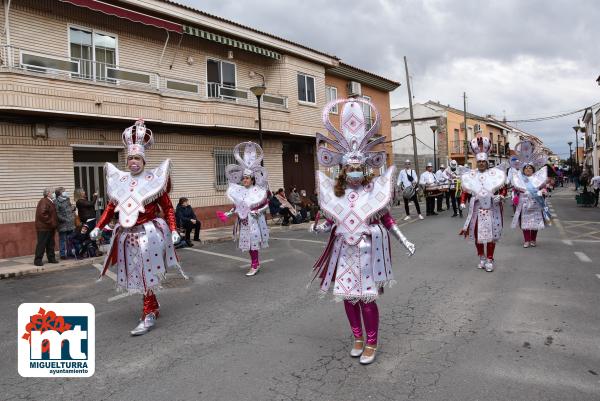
(356, 352)
(481, 264)
(252, 271)
(526, 244)
(489, 266)
(145, 325)
(407, 218)
(533, 244)
(365, 360)
(421, 217)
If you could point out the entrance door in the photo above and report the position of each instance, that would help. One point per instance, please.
(88, 169)
(299, 166)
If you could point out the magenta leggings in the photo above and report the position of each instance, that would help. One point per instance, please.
(254, 258)
(370, 317)
(529, 235)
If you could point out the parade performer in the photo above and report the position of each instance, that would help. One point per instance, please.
(141, 247)
(408, 183)
(248, 191)
(444, 185)
(485, 188)
(451, 173)
(532, 213)
(430, 188)
(356, 263)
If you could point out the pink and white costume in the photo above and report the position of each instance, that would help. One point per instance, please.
(356, 263)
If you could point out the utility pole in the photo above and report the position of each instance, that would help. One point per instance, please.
(412, 119)
(466, 129)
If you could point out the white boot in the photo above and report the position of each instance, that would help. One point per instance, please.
(489, 265)
(145, 325)
(481, 264)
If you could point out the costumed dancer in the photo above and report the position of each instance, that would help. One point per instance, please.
(444, 184)
(248, 191)
(141, 247)
(356, 263)
(486, 190)
(451, 173)
(430, 189)
(531, 213)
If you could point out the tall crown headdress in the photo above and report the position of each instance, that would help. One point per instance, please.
(137, 139)
(527, 155)
(354, 144)
(248, 155)
(480, 146)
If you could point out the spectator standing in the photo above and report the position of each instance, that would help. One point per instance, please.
(595, 184)
(46, 222)
(66, 220)
(86, 210)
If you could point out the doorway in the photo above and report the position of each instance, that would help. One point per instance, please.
(88, 169)
(299, 166)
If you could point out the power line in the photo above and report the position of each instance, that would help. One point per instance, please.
(553, 117)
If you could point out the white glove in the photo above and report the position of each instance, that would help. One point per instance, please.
(498, 198)
(395, 231)
(320, 228)
(175, 237)
(95, 234)
(410, 247)
(462, 206)
(229, 213)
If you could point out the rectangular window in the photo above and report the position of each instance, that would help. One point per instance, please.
(306, 88)
(367, 113)
(223, 157)
(456, 147)
(332, 95)
(220, 74)
(95, 52)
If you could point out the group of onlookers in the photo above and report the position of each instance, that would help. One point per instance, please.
(298, 207)
(56, 213)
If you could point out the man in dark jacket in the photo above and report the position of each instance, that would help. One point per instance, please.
(186, 219)
(66, 221)
(46, 222)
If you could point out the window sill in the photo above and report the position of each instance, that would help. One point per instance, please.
(309, 104)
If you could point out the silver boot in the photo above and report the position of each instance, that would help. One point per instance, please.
(145, 325)
(489, 265)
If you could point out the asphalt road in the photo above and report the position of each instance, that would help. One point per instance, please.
(527, 331)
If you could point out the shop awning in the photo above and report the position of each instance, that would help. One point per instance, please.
(127, 14)
(213, 37)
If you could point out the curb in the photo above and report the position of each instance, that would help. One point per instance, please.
(48, 267)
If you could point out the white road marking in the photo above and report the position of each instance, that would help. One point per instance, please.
(299, 239)
(116, 297)
(262, 262)
(217, 254)
(583, 257)
(598, 275)
(109, 274)
(568, 242)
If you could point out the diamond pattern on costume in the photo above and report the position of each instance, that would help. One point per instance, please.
(129, 205)
(352, 221)
(353, 124)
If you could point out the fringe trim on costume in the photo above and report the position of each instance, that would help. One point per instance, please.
(353, 299)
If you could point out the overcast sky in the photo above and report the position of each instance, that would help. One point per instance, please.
(521, 59)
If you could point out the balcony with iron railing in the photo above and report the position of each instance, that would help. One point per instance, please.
(19, 60)
(457, 147)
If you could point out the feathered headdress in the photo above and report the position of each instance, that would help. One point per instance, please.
(527, 155)
(248, 155)
(353, 145)
(137, 139)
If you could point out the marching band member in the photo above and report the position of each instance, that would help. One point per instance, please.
(408, 183)
(141, 247)
(248, 191)
(451, 173)
(428, 181)
(485, 188)
(531, 213)
(442, 180)
(357, 260)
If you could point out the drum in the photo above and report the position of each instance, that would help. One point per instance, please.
(409, 192)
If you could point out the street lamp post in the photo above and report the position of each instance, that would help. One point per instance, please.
(258, 92)
(570, 155)
(577, 128)
(434, 129)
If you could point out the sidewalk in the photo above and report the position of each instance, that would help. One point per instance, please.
(22, 265)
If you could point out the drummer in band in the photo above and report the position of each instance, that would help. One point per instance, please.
(442, 181)
(451, 173)
(407, 181)
(431, 189)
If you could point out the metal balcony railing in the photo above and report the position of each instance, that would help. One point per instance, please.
(457, 147)
(34, 62)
